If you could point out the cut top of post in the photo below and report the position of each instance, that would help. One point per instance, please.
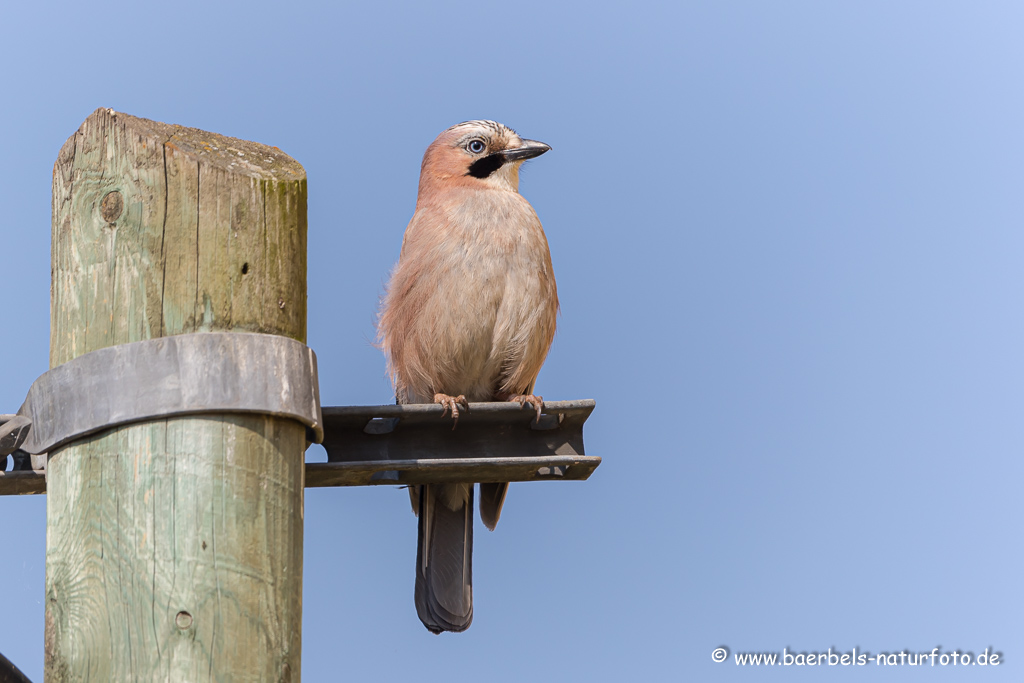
(161, 229)
(230, 154)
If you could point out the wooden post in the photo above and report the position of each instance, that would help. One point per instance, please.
(174, 547)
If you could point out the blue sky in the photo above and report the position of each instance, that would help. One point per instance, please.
(789, 253)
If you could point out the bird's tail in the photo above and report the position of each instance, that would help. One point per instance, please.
(444, 557)
(492, 497)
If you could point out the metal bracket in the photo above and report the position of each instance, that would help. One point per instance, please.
(237, 372)
(414, 444)
(206, 372)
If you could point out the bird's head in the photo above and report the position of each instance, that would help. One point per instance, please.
(481, 154)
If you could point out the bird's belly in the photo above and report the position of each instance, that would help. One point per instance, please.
(473, 326)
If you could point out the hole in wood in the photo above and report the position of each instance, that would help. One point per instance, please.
(245, 269)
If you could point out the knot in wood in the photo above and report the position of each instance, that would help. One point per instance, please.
(183, 620)
(111, 206)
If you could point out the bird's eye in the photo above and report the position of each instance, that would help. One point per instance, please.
(475, 146)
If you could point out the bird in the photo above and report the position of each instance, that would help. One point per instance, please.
(468, 315)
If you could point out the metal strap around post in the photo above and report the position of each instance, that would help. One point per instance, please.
(188, 374)
(232, 372)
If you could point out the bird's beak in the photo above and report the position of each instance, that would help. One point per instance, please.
(529, 150)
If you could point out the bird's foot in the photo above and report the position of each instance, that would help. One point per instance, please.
(522, 399)
(452, 403)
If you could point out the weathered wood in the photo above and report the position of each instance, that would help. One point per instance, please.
(174, 547)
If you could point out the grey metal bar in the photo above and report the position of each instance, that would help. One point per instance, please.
(419, 432)
(395, 472)
(415, 444)
(450, 470)
(14, 430)
(172, 376)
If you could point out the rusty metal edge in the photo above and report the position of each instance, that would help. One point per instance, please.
(22, 483)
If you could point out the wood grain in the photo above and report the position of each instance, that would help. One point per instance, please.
(174, 547)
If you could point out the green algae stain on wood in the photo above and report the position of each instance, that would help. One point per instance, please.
(174, 548)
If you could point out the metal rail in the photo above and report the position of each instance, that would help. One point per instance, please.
(415, 444)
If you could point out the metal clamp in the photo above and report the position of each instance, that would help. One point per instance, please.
(188, 374)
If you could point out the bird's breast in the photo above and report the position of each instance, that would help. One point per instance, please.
(478, 274)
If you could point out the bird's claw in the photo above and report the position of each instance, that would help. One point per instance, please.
(452, 403)
(536, 401)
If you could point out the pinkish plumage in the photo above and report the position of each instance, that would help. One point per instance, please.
(469, 312)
